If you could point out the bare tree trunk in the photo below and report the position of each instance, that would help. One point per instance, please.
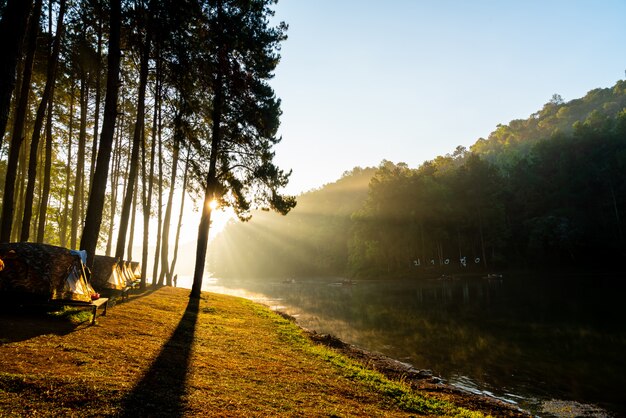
(146, 215)
(133, 212)
(12, 30)
(6, 223)
(160, 208)
(115, 174)
(79, 181)
(93, 218)
(165, 236)
(45, 193)
(36, 204)
(41, 111)
(19, 199)
(68, 170)
(96, 122)
(4, 150)
(147, 202)
(180, 216)
(134, 158)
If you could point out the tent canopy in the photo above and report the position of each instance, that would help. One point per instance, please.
(136, 269)
(128, 273)
(106, 274)
(40, 272)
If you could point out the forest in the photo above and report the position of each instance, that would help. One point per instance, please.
(547, 192)
(110, 108)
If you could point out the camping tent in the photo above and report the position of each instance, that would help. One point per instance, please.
(41, 273)
(106, 274)
(127, 272)
(136, 269)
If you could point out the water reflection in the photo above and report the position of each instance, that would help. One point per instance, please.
(538, 339)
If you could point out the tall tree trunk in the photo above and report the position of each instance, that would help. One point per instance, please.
(4, 148)
(68, 169)
(133, 213)
(146, 215)
(180, 216)
(93, 218)
(134, 158)
(6, 222)
(147, 198)
(12, 30)
(79, 179)
(211, 180)
(45, 193)
(19, 199)
(157, 252)
(45, 174)
(115, 175)
(36, 204)
(165, 236)
(96, 117)
(41, 111)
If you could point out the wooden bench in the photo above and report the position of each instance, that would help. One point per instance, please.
(95, 305)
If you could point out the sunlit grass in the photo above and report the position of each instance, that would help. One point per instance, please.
(244, 360)
(73, 314)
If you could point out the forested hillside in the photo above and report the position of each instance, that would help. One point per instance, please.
(545, 192)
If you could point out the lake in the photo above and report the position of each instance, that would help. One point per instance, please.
(524, 339)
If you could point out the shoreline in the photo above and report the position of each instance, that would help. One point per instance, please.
(426, 381)
(422, 380)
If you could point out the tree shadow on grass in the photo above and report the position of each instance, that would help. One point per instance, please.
(162, 389)
(22, 324)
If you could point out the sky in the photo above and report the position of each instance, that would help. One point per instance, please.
(361, 81)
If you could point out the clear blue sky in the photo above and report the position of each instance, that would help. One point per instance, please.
(362, 81)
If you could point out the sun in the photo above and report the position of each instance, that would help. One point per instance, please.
(214, 204)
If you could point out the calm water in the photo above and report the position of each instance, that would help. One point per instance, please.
(522, 339)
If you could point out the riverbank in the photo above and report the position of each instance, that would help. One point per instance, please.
(161, 355)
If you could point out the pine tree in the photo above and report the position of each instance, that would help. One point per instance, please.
(242, 55)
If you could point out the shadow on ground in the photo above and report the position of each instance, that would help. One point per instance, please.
(21, 324)
(161, 391)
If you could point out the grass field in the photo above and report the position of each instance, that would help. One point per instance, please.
(162, 354)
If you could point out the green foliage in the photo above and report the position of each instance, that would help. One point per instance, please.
(509, 143)
(549, 191)
(434, 216)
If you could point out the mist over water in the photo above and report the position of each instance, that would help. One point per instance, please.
(523, 339)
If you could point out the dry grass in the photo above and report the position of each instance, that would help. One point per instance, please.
(160, 354)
